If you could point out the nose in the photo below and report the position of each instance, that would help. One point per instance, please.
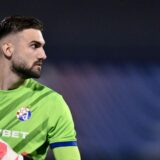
(42, 54)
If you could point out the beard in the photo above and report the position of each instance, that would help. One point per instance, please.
(26, 72)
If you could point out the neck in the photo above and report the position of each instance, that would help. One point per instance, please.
(10, 84)
(8, 79)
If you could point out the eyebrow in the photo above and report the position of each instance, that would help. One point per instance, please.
(38, 43)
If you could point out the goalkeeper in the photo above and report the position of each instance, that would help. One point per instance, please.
(33, 117)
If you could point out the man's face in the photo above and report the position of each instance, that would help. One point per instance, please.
(28, 54)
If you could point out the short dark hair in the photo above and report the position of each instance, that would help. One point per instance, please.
(14, 24)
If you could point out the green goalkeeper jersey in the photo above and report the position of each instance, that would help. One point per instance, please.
(34, 117)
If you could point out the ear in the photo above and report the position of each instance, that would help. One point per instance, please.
(7, 49)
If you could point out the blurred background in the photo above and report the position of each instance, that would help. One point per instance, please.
(104, 58)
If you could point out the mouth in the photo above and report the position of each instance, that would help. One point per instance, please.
(38, 64)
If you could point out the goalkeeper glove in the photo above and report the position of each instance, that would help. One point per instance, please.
(7, 153)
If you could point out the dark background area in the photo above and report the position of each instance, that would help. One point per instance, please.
(103, 57)
(93, 28)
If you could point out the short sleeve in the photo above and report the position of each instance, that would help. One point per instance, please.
(61, 131)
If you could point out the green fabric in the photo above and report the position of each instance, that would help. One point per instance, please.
(50, 120)
(66, 153)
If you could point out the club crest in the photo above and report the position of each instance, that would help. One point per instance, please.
(23, 114)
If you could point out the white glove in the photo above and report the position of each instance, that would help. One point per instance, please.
(7, 153)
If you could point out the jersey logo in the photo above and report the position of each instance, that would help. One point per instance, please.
(23, 114)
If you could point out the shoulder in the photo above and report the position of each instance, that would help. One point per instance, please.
(36, 86)
(41, 90)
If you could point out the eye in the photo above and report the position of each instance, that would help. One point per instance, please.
(34, 45)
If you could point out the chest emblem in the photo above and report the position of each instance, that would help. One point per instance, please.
(23, 114)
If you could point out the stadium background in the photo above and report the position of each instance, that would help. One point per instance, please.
(103, 57)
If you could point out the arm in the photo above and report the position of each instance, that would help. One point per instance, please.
(62, 137)
(66, 153)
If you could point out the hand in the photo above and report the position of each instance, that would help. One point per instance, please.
(7, 153)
